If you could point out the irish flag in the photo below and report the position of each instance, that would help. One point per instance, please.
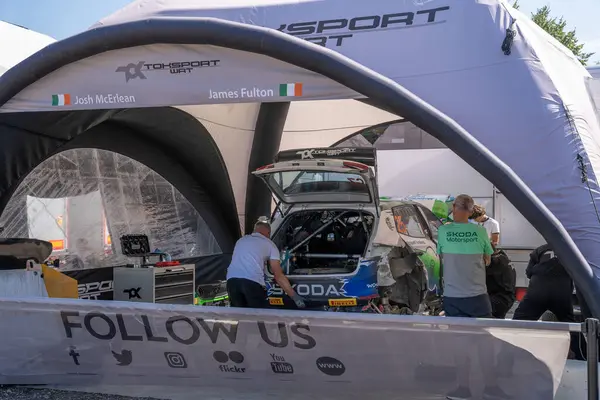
(290, 89)
(61, 99)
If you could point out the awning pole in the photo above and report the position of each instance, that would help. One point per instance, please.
(591, 329)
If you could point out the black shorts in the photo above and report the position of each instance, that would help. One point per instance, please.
(246, 293)
(468, 307)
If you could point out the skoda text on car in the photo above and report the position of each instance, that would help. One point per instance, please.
(327, 227)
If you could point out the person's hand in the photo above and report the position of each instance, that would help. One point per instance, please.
(298, 300)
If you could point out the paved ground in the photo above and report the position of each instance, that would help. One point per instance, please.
(23, 393)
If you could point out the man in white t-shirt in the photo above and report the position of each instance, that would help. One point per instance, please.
(246, 272)
(490, 224)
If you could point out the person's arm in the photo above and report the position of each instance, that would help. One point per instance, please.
(487, 246)
(281, 279)
(440, 240)
(487, 259)
(534, 258)
(532, 261)
(508, 277)
(495, 237)
(439, 251)
(441, 280)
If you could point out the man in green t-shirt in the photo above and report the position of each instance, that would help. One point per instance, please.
(465, 251)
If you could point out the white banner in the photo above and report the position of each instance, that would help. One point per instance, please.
(292, 354)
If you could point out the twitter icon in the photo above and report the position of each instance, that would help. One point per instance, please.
(124, 358)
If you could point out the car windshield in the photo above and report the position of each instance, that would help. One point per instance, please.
(297, 182)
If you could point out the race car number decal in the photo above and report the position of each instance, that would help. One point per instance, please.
(276, 301)
(342, 302)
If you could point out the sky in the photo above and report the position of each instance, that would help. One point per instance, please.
(63, 18)
(58, 18)
(579, 14)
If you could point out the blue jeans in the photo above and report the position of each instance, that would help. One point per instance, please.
(468, 307)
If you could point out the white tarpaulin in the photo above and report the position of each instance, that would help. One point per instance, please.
(594, 87)
(262, 353)
(526, 101)
(19, 43)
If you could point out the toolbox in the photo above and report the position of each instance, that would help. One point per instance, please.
(165, 285)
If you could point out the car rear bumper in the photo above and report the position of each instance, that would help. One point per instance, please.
(353, 291)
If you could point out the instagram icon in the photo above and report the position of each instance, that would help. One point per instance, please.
(175, 360)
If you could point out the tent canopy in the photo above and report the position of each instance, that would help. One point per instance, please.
(594, 87)
(243, 93)
(23, 43)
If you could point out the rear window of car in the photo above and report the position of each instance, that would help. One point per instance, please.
(294, 182)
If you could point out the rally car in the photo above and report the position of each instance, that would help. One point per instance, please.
(342, 247)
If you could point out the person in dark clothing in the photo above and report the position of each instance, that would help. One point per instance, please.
(550, 288)
(501, 281)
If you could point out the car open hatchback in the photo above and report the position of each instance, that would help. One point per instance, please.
(325, 218)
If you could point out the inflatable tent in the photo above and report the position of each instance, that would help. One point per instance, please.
(204, 92)
(594, 87)
(23, 43)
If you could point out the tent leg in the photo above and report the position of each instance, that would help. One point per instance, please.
(265, 145)
(590, 327)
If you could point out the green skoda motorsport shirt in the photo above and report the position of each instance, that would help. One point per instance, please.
(462, 247)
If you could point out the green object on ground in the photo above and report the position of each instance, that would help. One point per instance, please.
(203, 302)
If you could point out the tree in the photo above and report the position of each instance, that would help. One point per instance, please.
(557, 27)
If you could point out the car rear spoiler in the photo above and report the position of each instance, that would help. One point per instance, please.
(365, 155)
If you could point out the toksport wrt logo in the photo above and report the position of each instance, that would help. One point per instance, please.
(132, 71)
(94, 290)
(335, 32)
(305, 154)
(308, 154)
(139, 69)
